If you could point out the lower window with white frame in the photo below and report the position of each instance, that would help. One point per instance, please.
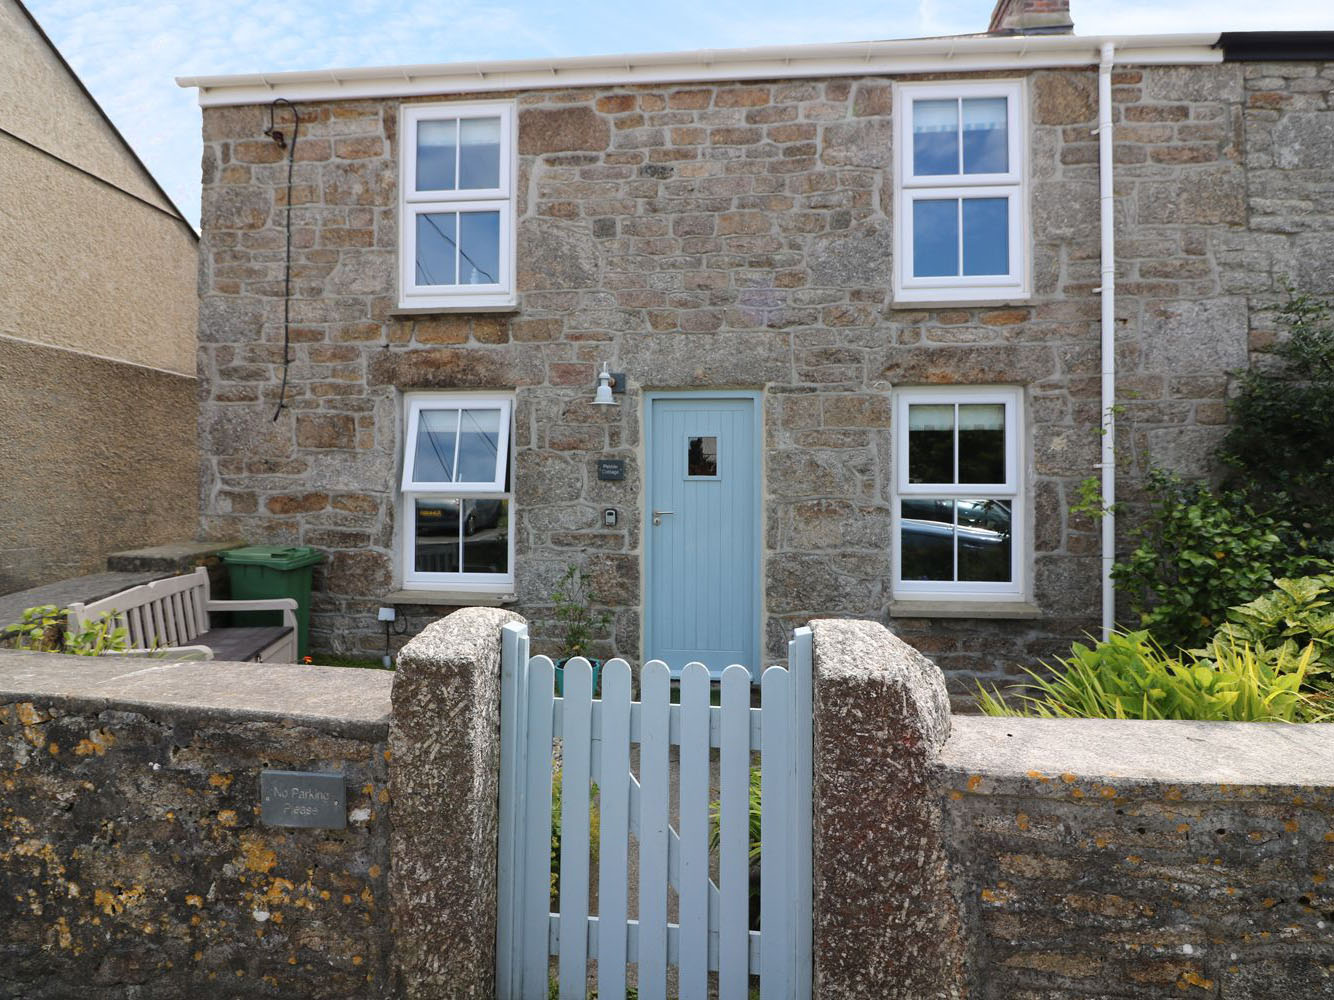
(958, 503)
(457, 498)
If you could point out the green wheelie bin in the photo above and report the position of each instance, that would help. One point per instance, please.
(257, 571)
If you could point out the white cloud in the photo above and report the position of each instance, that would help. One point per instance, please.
(128, 52)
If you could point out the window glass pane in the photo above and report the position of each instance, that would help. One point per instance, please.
(981, 443)
(435, 154)
(926, 540)
(702, 456)
(479, 441)
(984, 541)
(985, 136)
(479, 153)
(486, 546)
(437, 540)
(931, 443)
(986, 236)
(935, 137)
(935, 237)
(479, 248)
(434, 459)
(436, 234)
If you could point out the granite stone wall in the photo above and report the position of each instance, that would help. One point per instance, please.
(739, 236)
(1021, 859)
(133, 860)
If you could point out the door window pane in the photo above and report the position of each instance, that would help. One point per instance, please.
(931, 443)
(479, 248)
(479, 444)
(437, 152)
(479, 153)
(986, 236)
(702, 456)
(437, 539)
(935, 138)
(433, 461)
(926, 538)
(985, 136)
(437, 236)
(935, 237)
(486, 536)
(981, 443)
(984, 540)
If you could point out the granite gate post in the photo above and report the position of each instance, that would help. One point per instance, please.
(444, 775)
(885, 923)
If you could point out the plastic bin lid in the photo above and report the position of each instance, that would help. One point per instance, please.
(276, 556)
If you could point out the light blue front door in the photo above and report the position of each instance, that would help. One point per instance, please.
(702, 532)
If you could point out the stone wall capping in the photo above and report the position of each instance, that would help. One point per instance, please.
(1235, 754)
(1014, 610)
(350, 701)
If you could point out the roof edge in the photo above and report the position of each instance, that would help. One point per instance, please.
(914, 55)
(106, 118)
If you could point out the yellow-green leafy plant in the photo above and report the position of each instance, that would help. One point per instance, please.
(1296, 613)
(1130, 676)
(594, 831)
(44, 629)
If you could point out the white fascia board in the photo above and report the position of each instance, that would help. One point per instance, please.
(920, 55)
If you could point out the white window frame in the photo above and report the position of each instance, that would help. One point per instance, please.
(414, 297)
(413, 490)
(1012, 489)
(1012, 184)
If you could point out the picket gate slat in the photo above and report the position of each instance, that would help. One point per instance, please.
(577, 705)
(694, 833)
(734, 839)
(613, 854)
(655, 687)
(775, 938)
(597, 737)
(535, 894)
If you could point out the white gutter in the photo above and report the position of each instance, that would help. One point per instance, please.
(914, 55)
(1107, 227)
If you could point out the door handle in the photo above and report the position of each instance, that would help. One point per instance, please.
(658, 515)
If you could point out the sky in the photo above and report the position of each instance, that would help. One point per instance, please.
(128, 52)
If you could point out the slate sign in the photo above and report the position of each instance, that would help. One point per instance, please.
(303, 798)
(612, 469)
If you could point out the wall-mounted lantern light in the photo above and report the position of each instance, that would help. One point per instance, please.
(606, 380)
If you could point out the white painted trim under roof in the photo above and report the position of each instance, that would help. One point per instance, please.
(964, 53)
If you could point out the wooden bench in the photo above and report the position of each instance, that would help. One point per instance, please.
(171, 618)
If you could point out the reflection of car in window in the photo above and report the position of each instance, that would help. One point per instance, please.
(441, 517)
(929, 534)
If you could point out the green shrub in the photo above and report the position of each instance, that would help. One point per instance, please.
(1295, 614)
(594, 832)
(1282, 423)
(1130, 676)
(1200, 553)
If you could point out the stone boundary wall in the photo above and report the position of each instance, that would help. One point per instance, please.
(1034, 858)
(132, 859)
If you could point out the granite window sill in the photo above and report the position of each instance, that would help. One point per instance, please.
(449, 598)
(1013, 610)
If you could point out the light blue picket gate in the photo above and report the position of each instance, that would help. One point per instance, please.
(712, 932)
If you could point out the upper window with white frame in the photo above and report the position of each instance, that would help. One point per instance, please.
(457, 508)
(962, 230)
(456, 210)
(958, 505)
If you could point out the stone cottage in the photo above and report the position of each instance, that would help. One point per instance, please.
(859, 323)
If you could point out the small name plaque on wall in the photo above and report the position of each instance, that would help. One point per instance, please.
(303, 798)
(612, 469)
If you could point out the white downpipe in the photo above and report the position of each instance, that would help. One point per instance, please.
(1107, 226)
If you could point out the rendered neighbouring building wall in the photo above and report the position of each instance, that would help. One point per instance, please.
(730, 236)
(98, 311)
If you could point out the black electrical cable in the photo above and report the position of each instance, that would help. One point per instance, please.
(277, 137)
